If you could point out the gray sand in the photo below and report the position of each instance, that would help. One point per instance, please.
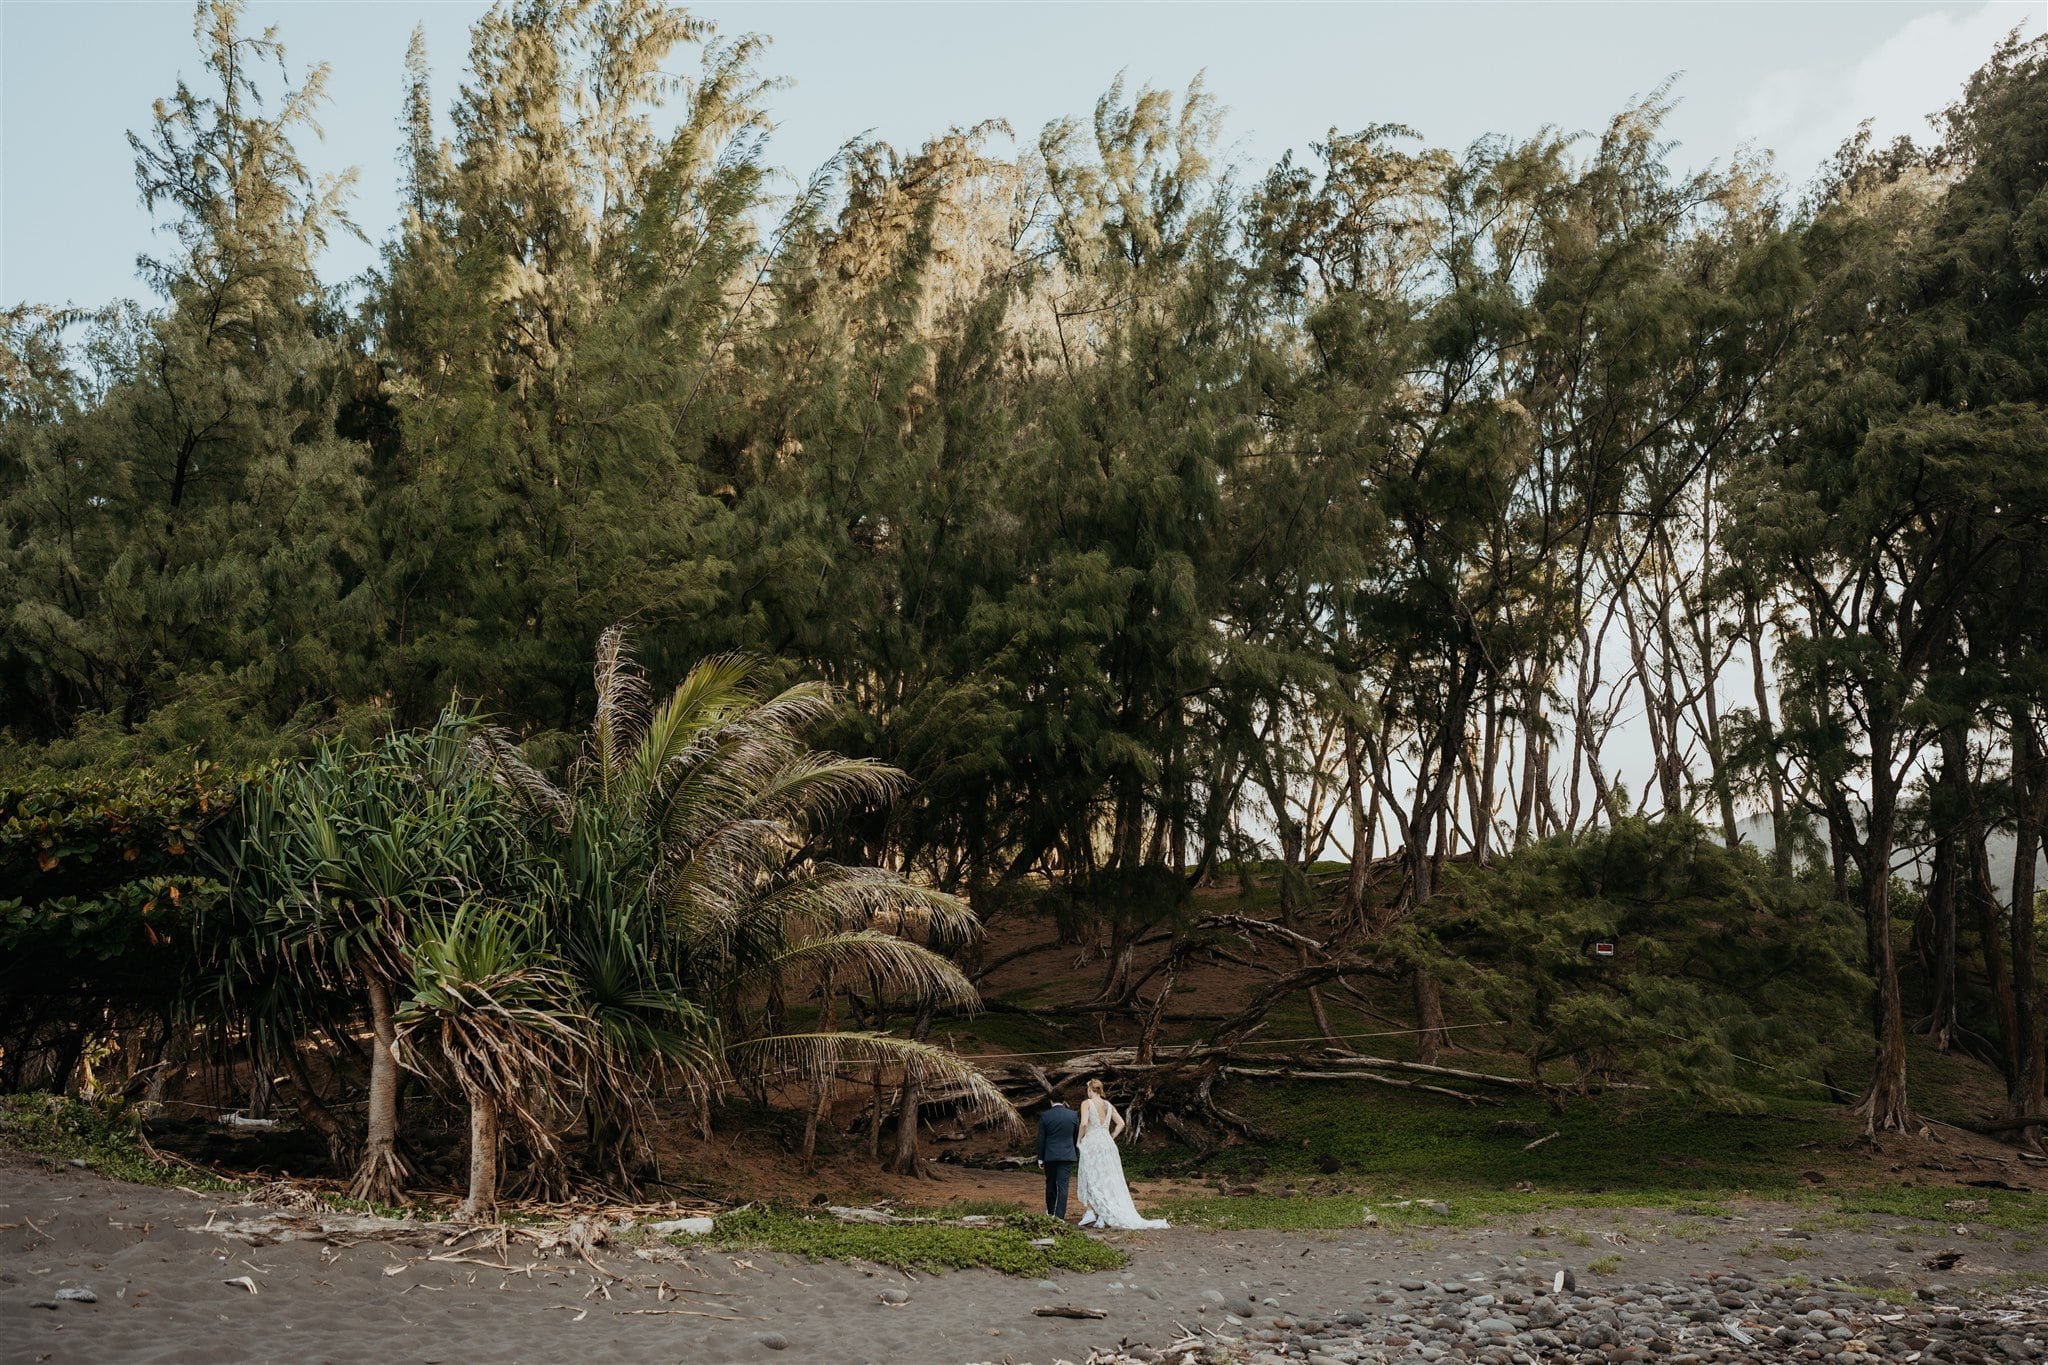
(159, 1275)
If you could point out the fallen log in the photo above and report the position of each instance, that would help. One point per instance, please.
(1124, 1061)
(1453, 1073)
(1176, 1087)
(2005, 1125)
(1290, 1074)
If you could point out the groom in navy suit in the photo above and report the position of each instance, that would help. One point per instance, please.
(1058, 1151)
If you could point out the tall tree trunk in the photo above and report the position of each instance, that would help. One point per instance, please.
(1431, 1037)
(1990, 937)
(1352, 909)
(1885, 1106)
(1129, 827)
(1483, 804)
(1781, 825)
(1941, 1022)
(482, 1200)
(1525, 794)
(380, 1174)
(262, 1085)
(1116, 975)
(1945, 885)
(821, 1080)
(1724, 790)
(910, 1107)
(2023, 1093)
(1838, 858)
(1703, 628)
(1653, 684)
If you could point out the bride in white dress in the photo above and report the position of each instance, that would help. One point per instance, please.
(1099, 1179)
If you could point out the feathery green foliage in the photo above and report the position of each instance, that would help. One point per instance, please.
(1144, 519)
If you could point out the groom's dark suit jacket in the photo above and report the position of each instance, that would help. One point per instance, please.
(1058, 1127)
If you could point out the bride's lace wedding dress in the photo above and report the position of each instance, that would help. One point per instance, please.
(1099, 1179)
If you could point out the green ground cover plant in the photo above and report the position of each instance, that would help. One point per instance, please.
(1019, 1244)
(104, 1138)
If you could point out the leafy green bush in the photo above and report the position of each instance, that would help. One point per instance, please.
(1729, 979)
(103, 1136)
(103, 878)
(104, 863)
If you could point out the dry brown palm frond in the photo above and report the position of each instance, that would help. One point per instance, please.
(527, 1076)
(760, 842)
(621, 717)
(810, 1053)
(497, 753)
(502, 1018)
(706, 893)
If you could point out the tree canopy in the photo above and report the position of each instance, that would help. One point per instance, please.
(1149, 516)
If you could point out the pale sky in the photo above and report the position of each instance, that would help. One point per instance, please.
(1794, 78)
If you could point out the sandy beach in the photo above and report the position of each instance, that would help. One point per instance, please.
(170, 1284)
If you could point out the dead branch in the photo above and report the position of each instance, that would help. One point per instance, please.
(1274, 1073)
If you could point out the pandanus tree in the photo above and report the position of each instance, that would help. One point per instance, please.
(495, 1014)
(344, 865)
(535, 949)
(691, 838)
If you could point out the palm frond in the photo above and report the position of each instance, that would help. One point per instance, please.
(528, 789)
(621, 712)
(711, 693)
(830, 898)
(944, 1075)
(819, 788)
(900, 966)
(796, 708)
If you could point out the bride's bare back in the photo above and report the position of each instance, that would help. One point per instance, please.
(1099, 1178)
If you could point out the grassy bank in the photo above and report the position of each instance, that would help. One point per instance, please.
(1016, 1244)
(1622, 1141)
(102, 1139)
(1341, 1159)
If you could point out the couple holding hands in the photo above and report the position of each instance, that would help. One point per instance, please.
(1081, 1147)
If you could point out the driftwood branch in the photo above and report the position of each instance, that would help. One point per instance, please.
(2006, 1125)
(1295, 1074)
(1452, 1072)
(1125, 1063)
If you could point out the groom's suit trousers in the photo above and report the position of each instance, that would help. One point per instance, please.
(1058, 1176)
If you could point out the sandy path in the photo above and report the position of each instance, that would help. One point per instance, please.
(159, 1275)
